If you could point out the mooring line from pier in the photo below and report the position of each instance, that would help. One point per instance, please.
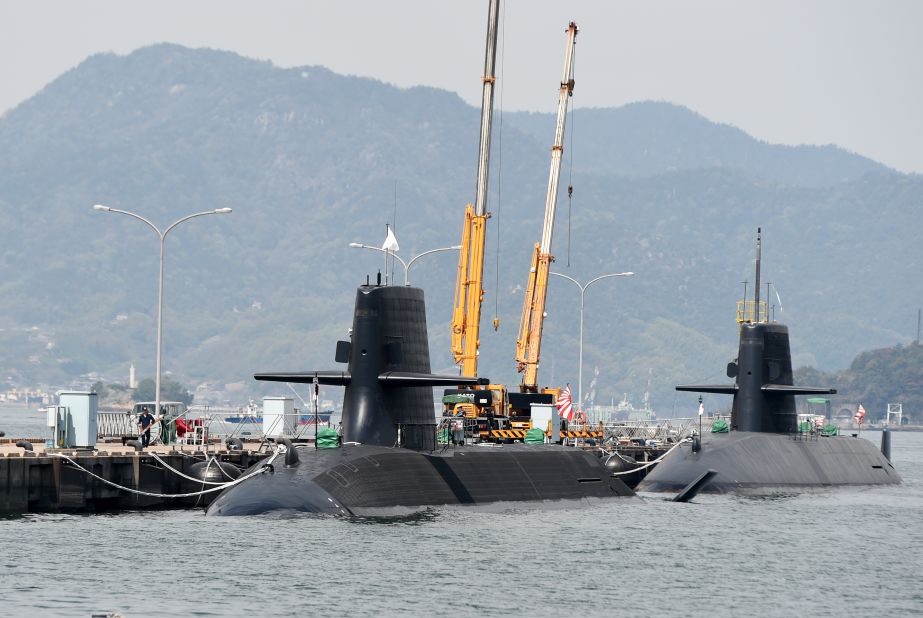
(207, 459)
(650, 463)
(256, 472)
(204, 474)
(186, 476)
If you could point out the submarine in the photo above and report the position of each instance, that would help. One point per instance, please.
(388, 460)
(763, 451)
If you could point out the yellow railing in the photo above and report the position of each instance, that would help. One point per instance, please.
(747, 313)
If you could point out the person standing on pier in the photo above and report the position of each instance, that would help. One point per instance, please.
(144, 425)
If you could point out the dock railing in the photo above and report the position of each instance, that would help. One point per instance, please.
(202, 425)
(116, 425)
(665, 431)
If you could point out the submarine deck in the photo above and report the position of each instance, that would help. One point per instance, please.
(752, 460)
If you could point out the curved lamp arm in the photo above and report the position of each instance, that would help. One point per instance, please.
(102, 208)
(217, 211)
(417, 257)
(356, 245)
(592, 281)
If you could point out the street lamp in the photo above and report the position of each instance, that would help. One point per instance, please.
(162, 235)
(582, 294)
(406, 265)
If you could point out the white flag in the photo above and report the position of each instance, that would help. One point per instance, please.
(391, 242)
(701, 409)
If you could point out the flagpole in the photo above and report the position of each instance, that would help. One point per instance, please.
(387, 250)
(701, 410)
(316, 394)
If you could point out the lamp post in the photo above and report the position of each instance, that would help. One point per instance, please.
(162, 235)
(406, 265)
(583, 289)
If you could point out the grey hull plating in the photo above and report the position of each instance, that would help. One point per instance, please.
(765, 461)
(374, 480)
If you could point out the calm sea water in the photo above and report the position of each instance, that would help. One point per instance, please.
(853, 552)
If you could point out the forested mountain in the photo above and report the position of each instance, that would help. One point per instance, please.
(310, 161)
(876, 378)
(652, 138)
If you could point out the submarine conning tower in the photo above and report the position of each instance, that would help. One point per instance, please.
(763, 359)
(388, 399)
(764, 391)
(388, 334)
(764, 394)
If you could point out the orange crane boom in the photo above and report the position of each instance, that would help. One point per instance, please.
(469, 283)
(528, 344)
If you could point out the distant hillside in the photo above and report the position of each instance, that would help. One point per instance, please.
(876, 378)
(652, 138)
(310, 160)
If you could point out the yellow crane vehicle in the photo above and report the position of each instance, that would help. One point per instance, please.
(528, 344)
(488, 401)
(488, 416)
(469, 283)
(491, 412)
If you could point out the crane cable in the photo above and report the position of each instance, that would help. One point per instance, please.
(496, 320)
(570, 159)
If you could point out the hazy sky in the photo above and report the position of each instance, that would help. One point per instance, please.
(846, 72)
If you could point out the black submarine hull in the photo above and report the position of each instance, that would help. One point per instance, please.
(757, 462)
(367, 480)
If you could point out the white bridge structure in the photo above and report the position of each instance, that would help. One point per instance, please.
(895, 414)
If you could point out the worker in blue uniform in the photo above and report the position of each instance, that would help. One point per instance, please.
(145, 421)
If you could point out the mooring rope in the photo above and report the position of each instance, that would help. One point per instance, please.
(215, 459)
(186, 476)
(650, 463)
(204, 474)
(256, 472)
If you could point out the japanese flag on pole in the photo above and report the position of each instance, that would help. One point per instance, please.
(564, 404)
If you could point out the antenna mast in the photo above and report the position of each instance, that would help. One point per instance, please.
(756, 285)
(919, 315)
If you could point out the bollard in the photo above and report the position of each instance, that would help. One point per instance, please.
(886, 443)
(291, 455)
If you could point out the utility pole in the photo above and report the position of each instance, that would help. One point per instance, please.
(919, 312)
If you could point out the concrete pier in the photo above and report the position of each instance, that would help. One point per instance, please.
(39, 482)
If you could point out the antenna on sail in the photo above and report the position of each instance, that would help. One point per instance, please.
(756, 286)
